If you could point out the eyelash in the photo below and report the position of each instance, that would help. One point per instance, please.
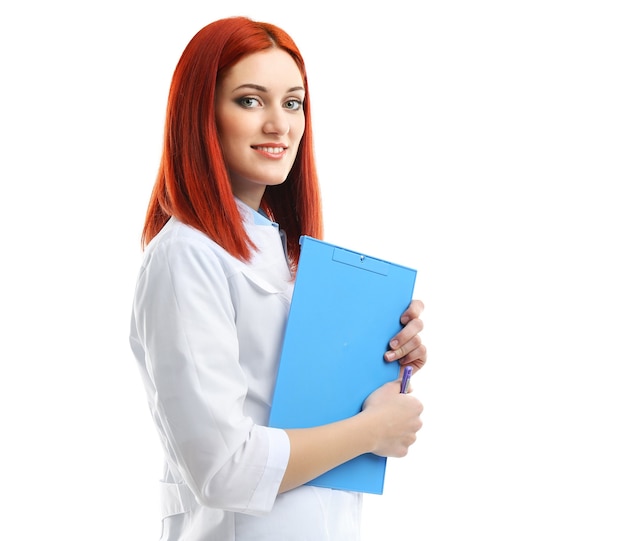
(242, 103)
(296, 101)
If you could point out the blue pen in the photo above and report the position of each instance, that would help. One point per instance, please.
(406, 376)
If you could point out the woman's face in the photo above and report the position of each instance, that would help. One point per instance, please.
(260, 119)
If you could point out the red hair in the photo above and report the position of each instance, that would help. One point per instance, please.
(192, 183)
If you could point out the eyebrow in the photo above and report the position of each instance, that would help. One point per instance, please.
(261, 88)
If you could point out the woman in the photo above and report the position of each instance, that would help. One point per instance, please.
(213, 296)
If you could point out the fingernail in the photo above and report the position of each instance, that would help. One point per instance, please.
(394, 344)
(390, 355)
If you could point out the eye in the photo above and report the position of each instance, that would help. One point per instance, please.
(293, 105)
(248, 102)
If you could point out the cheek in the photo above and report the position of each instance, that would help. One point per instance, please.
(232, 141)
(297, 130)
(231, 124)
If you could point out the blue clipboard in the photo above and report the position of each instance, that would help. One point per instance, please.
(346, 307)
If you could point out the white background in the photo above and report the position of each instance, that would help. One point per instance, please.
(481, 142)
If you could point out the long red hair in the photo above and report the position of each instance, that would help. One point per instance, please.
(192, 183)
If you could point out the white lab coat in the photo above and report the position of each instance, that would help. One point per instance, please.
(206, 332)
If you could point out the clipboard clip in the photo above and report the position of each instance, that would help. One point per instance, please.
(361, 261)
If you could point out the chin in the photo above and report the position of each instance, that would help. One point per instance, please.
(275, 181)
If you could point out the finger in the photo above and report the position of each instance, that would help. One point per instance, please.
(409, 331)
(412, 312)
(416, 358)
(404, 342)
(413, 343)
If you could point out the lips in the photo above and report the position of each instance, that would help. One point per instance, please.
(270, 150)
(273, 152)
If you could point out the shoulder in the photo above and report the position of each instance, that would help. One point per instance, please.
(183, 247)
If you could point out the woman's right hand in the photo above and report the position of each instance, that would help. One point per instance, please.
(395, 419)
(386, 426)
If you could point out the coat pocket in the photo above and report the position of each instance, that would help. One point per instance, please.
(265, 288)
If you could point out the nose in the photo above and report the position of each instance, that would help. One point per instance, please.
(276, 122)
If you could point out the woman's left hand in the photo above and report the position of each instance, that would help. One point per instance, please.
(406, 346)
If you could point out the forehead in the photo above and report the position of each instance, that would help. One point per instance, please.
(270, 68)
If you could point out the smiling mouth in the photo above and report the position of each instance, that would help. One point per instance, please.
(270, 150)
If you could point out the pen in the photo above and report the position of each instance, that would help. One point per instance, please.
(406, 376)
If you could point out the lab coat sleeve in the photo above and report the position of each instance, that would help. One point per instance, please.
(184, 328)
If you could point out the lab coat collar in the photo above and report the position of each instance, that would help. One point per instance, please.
(252, 216)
